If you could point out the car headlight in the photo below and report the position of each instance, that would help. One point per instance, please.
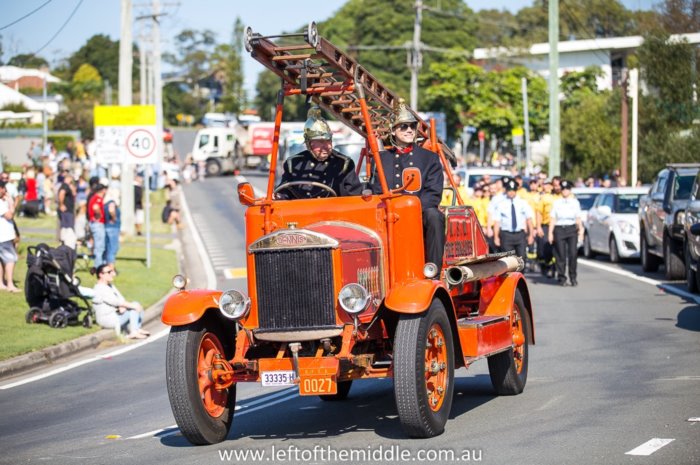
(680, 217)
(234, 304)
(626, 228)
(354, 298)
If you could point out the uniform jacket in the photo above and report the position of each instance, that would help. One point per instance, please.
(427, 162)
(336, 172)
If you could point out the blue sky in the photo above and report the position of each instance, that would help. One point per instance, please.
(102, 16)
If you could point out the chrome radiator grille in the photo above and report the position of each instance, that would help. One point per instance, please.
(295, 288)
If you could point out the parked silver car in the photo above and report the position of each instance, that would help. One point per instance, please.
(612, 225)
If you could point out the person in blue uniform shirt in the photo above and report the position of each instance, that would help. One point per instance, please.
(565, 230)
(405, 153)
(513, 227)
(320, 164)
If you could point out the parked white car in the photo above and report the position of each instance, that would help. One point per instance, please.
(470, 176)
(612, 226)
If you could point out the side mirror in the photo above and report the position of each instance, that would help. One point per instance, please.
(657, 197)
(604, 211)
(411, 180)
(246, 194)
(695, 229)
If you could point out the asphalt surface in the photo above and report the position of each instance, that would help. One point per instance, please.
(615, 367)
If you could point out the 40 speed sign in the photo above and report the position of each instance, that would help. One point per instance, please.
(126, 134)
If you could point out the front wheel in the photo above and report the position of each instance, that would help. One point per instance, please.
(650, 262)
(203, 413)
(508, 370)
(614, 253)
(673, 263)
(691, 277)
(424, 371)
(213, 168)
(587, 250)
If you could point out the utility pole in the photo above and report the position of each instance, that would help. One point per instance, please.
(634, 90)
(624, 131)
(526, 120)
(44, 117)
(125, 99)
(555, 139)
(416, 54)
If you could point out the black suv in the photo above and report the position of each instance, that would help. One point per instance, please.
(662, 217)
(692, 241)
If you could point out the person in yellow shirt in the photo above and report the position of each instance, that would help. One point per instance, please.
(448, 192)
(545, 253)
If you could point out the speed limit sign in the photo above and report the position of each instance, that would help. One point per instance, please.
(141, 143)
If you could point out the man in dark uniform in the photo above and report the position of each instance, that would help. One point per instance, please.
(513, 227)
(318, 166)
(407, 154)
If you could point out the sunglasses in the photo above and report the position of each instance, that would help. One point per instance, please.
(407, 126)
(108, 272)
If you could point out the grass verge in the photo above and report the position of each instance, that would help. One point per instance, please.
(135, 281)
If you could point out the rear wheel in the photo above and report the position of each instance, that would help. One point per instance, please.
(673, 263)
(342, 394)
(424, 371)
(508, 370)
(587, 250)
(691, 276)
(59, 319)
(614, 253)
(650, 262)
(33, 315)
(203, 413)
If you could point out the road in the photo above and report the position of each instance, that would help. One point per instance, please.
(615, 366)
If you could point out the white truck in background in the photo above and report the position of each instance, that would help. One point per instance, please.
(220, 149)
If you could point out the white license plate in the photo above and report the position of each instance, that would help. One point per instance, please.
(277, 378)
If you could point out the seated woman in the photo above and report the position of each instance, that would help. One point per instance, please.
(112, 310)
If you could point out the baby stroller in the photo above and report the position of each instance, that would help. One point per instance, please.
(50, 287)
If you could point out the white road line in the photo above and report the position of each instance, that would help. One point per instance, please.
(649, 447)
(208, 269)
(244, 409)
(644, 279)
(96, 358)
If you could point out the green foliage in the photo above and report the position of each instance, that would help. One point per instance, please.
(227, 58)
(590, 133)
(87, 73)
(194, 49)
(15, 107)
(266, 89)
(60, 141)
(27, 60)
(577, 84)
(177, 100)
(488, 100)
(78, 117)
(103, 53)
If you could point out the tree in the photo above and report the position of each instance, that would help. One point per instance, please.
(79, 116)
(680, 16)
(268, 84)
(227, 58)
(101, 52)
(194, 49)
(577, 84)
(87, 73)
(27, 60)
(177, 99)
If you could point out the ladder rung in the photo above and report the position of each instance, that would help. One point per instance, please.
(341, 101)
(317, 75)
(287, 48)
(291, 57)
(351, 109)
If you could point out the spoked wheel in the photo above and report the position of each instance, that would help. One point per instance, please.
(59, 319)
(203, 412)
(342, 394)
(424, 371)
(508, 370)
(33, 315)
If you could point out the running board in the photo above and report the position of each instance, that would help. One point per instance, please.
(484, 335)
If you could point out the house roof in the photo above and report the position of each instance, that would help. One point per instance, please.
(9, 96)
(13, 73)
(572, 46)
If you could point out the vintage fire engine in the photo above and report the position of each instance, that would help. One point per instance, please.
(338, 289)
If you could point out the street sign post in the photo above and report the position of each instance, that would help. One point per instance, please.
(127, 135)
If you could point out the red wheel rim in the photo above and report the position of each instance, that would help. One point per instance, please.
(518, 350)
(214, 400)
(436, 359)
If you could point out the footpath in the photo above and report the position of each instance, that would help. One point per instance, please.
(191, 264)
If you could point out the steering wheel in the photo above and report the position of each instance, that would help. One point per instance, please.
(290, 187)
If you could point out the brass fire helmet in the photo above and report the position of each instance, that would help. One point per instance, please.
(316, 128)
(401, 114)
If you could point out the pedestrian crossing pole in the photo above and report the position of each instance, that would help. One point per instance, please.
(555, 137)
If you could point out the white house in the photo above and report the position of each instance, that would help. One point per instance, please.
(610, 54)
(9, 96)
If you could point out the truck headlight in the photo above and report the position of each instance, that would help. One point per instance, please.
(234, 304)
(179, 282)
(354, 298)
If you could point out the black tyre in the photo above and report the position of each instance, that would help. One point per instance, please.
(674, 268)
(691, 277)
(203, 413)
(587, 250)
(87, 321)
(33, 315)
(614, 253)
(650, 262)
(213, 168)
(342, 394)
(508, 370)
(58, 319)
(424, 371)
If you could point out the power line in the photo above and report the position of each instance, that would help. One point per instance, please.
(80, 2)
(27, 15)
